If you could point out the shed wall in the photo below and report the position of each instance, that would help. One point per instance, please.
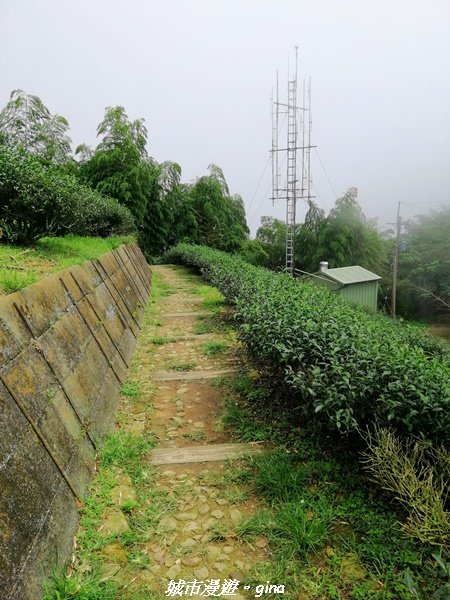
(364, 294)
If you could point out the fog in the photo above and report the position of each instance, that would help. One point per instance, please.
(201, 74)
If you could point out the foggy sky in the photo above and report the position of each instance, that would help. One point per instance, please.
(201, 72)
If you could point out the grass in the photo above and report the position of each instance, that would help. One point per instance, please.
(330, 531)
(196, 436)
(12, 281)
(218, 532)
(159, 340)
(131, 389)
(20, 267)
(212, 298)
(205, 326)
(121, 456)
(214, 348)
(186, 366)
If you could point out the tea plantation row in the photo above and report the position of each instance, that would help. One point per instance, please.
(343, 367)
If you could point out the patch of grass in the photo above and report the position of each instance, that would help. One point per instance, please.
(324, 511)
(205, 326)
(157, 504)
(159, 340)
(12, 281)
(218, 532)
(72, 249)
(212, 298)
(244, 424)
(196, 436)
(77, 587)
(235, 495)
(20, 267)
(131, 389)
(214, 348)
(299, 531)
(278, 478)
(126, 450)
(252, 527)
(187, 366)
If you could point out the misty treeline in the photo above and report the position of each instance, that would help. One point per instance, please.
(117, 187)
(45, 189)
(345, 237)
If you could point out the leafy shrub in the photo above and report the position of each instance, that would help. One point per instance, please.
(418, 476)
(343, 367)
(38, 200)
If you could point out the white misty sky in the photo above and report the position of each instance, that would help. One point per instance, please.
(201, 72)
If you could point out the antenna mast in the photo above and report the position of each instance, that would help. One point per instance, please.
(290, 191)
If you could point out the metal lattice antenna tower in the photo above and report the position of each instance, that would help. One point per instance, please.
(294, 187)
(291, 178)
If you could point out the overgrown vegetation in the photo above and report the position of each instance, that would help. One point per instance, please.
(418, 476)
(115, 188)
(343, 237)
(21, 266)
(332, 368)
(120, 460)
(331, 533)
(38, 200)
(424, 267)
(341, 367)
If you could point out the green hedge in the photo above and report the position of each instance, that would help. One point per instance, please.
(343, 366)
(38, 200)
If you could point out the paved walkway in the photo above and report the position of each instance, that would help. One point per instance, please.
(194, 537)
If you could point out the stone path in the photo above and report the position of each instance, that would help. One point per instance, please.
(194, 536)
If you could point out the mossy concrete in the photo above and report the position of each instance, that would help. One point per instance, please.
(65, 344)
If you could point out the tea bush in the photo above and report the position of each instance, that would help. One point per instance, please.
(38, 200)
(343, 367)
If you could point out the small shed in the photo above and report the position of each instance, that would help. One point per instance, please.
(357, 284)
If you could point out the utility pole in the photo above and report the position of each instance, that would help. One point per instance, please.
(289, 190)
(398, 225)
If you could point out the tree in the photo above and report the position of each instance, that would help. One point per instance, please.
(424, 269)
(210, 216)
(120, 167)
(346, 238)
(26, 121)
(272, 235)
(308, 233)
(253, 252)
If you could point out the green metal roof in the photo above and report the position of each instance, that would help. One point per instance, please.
(346, 275)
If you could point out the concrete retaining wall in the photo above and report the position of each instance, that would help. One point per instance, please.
(65, 344)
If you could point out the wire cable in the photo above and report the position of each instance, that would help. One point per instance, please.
(325, 171)
(259, 183)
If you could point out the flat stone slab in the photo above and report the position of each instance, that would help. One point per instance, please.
(198, 454)
(190, 375)
(184, 314)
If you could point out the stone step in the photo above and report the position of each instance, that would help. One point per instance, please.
(190, 375)
(199, 454)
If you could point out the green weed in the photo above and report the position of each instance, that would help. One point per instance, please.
(299, 531)
(187, 366)
(218, 532)
(252, 527)
(278, 478)
(12, 281)
(214, 348)
(86, 587)
(126, 450)
(131, 388)
(196, 436)
(159, 340)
